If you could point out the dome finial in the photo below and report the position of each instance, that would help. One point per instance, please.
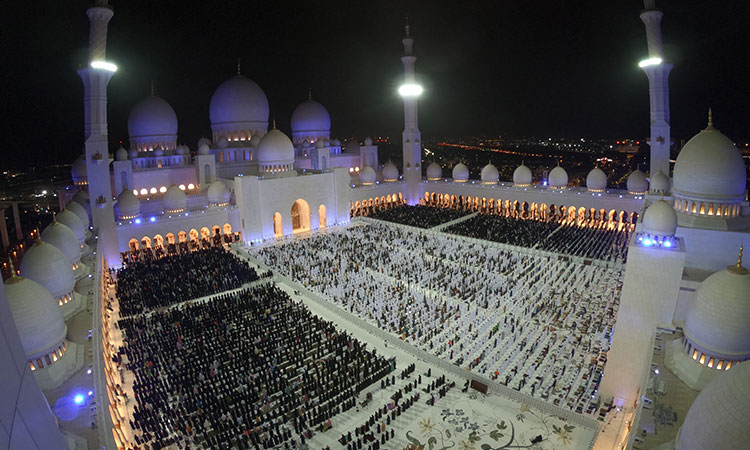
(738, 269)
(309, 93)
(274, 124)
(54, 217)
(14, 277)
(153, 87)
(407, 29)
(710, 119)
(239, 66)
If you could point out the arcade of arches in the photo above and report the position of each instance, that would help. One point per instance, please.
(301, 218)
(183, 241)
(372, 205)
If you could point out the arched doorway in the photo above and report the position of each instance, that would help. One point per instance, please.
(158, 241)
(227, 229)
(300, 216)
(278, 227)
(133, 244)
(322, 218)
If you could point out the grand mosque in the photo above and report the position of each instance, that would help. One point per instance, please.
(682, 296)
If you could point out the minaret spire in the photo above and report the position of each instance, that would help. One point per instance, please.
(411, 137)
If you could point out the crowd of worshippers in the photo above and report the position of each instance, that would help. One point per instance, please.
(534, 321)
(593, 239)
(249, 369)
(418, 216)
(148, 253)
(145, 285)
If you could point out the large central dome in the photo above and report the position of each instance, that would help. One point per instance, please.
(152, 123)
(238, 108)
(310, 120)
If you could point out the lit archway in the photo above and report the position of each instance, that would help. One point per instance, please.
(301, 216)
(194, 236)
(133, 244)
(158, 241)
(278, 227)
(182, 236)
(205, 233)
(322, 218)
(146, 242)
(170, 238)
(227, 228)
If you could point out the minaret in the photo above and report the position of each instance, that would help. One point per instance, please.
(412, 139)
(658, 80)
(95, 77)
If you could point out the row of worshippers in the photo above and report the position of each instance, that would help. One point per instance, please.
(145, 285)
(250, 369)
(418, 216)
(592, 239)
(499, 312)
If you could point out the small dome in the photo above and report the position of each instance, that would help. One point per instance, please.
(71, 220)
(522, 176)
(596, 180)
(238, 103)
(63, 238)
(460, 172)
(710, 166)
(326, 142)
(275, 146)
(716, 322)
(48, 266)
(174, 200)
(158, 151)
(434, 171)
(121, 154)
(128, 205)
(352, 147)
(310, 118)
(490, 175)
(659, 183)
(203, 140)
(637, 183)
(152, 120)
(82, 198)
(132, 153)
(368, 141)
(337, 143)
(255, 140)
(180, 150)
(78, 171)
(222, 142)
(218, 193)
(203, 149)
(79, 211)
(390, 171)
(320, 144)
(558, 178)
(660, 219)
(367, 175)
(718, 417)
(38, 318)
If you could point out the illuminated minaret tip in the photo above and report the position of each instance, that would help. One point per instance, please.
(657, 71)
(412, 140)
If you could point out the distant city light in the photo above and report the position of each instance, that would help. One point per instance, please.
(650, 62)
(104, 65)
(410, 90)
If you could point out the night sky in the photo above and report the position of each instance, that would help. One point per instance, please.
(520, 68)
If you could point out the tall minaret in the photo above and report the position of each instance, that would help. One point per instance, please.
(658, 80)
(95, 77)
(412, 138)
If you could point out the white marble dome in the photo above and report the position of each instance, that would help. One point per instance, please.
(275, 147)
(660, 219)
(310, 119)
(368, 141)
(238, 104)
(522, 176)
(203, 140)
(660, 184)
(38, 318)
(48, 266)
(558, 178)
(460, 173)
(174, 200)
(709, 167)
(78, 171)
(390, 171)
(63, 238)
(367, 175)
(128, 205)
(222, 142)
(717, 321)
(490, 175)
(71, 220)
(152, 120)
(181, 150)
(255, 140)
(203, 149)
(596, 180)
(718, 418)
(434, 171)
(637, 183)
(218, 193)
(121, 154)
(79, 211)
(82, 198)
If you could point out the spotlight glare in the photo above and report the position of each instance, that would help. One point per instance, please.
(104, 65)
(410, 90)
(650, 62)
(667, 244)
(78, 399)
(647, 242)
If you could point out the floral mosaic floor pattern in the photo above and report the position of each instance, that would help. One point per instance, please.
(475, 422)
